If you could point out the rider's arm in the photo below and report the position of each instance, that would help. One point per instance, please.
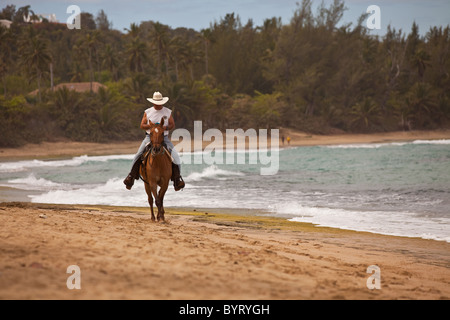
(171, 124)
(146, 124)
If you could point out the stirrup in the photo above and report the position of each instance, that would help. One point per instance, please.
(129, 182)
(179, 184)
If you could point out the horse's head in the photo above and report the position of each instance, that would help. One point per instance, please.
(157, 135)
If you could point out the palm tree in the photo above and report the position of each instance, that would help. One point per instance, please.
(138, 87)
(421, 60)
(206, 35)
(421, 102)
(176, 46)
(134, 30)
(79, 58)
(66, 104)
(23, 14)
(90, 43)
(159, 36)
(193, 56)
(5, 54)
(109, 112)
(185, 55)
(36, 59)
(364, 114)
(76, 73)
(181, 99)
(110, 60)
(137, 53)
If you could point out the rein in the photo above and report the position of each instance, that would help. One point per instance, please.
(154, 153)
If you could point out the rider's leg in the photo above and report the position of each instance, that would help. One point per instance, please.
(178, 182)
(134, 173)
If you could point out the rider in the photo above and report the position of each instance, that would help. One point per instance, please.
(153, 116)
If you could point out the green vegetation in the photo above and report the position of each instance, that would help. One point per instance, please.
(309, 75)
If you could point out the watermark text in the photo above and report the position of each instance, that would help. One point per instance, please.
(74, 20)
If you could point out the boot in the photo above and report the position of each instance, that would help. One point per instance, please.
(133, 175)
(178, 182)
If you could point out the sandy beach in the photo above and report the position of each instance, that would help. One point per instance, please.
(198, 255)
(205, 254)
(61, 149)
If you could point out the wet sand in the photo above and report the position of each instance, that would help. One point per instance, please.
(202, 255)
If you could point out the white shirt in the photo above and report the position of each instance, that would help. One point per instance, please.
(155, 116)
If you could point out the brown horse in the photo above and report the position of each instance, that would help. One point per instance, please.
(157, 170)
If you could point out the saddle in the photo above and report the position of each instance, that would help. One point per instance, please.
(149, 149)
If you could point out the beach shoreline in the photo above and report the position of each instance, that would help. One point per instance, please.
(201, 255)
(204, 254)
(64, 149)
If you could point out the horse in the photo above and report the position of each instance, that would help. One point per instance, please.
(157, 170)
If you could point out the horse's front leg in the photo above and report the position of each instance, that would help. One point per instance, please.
(150, 199)
(159, 204)
(157, 200)
(161, 193)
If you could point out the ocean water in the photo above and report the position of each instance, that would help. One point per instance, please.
(398, 189)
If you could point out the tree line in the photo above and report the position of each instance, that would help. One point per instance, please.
(313, 74)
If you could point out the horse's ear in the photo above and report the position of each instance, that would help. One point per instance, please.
(162, 122)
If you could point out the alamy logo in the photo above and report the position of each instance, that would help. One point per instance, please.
(74, 20)
(260, 147)
(74, 280)
(374, 20)
(374, 281)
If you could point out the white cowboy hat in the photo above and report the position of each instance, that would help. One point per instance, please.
(158, 99)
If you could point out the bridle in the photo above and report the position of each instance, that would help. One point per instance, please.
(156, 149)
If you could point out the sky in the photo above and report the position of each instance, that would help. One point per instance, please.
(200, 14)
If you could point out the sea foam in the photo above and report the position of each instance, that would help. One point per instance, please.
(32, 183)
(387, 144)
(18, 166)
(212, 172)
(396, 223)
